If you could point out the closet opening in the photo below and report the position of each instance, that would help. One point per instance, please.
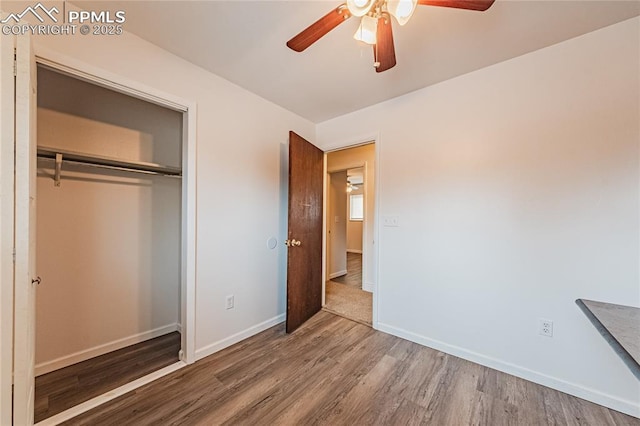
(109, 243)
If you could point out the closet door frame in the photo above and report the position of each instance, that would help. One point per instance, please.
(100, 77)
(7, 134)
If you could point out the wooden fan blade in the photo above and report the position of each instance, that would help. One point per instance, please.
(319, 28)
(384, 53)
(480, 5)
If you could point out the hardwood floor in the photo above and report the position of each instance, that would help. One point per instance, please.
(62, 389)
(353, 278)
(333, 371)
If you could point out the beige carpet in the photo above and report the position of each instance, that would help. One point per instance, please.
(349, 302)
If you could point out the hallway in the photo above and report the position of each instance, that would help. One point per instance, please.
(344, 295)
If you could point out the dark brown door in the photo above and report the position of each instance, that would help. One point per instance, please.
(304, 259)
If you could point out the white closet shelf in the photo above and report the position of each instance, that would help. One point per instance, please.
(105, 162)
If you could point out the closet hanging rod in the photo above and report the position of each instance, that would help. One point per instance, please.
(108, 162)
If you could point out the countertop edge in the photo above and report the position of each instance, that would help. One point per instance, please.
(630, 362)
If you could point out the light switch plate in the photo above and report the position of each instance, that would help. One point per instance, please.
(229, 302)
(391, 221)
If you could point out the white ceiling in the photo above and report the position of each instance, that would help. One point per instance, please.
(244, 42)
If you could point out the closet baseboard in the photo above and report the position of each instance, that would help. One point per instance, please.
(337, 274)
(67, 360)
(354, 251)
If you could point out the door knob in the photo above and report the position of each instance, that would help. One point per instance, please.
(296, 243)
(37, 280)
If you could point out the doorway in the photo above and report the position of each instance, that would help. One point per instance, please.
(349, 228)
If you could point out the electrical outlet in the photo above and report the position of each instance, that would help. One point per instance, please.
(545, 327)
(229, 302)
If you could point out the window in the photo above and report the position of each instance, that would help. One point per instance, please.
(356, 207)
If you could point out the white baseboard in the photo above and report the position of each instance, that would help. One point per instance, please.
(235, 338)
(368, 287)
(337, 274)
(67, 360)
(354, 251)
(618, 404)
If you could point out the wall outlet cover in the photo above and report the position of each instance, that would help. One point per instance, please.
(545, 327)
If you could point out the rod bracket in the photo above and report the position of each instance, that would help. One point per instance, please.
(56, 178)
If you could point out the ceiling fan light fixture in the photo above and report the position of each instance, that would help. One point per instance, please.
(367, 30)
(402, 10)
(360, 7)
(375, 24)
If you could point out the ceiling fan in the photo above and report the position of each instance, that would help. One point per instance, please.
(375, 24)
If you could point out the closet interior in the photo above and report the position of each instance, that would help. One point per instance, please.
(109, 197)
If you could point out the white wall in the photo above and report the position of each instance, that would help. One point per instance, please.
(349, 159)
(241, 182)
(108, 242)
(517, 191)
(337, 225)
(90, 119)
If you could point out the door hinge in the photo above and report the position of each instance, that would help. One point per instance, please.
(14, 255)
(15, 63)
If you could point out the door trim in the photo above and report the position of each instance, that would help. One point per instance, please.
(364, 139)
(7, 127)
(24, 232)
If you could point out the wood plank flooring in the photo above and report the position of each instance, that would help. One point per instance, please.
(353, 278)
(333, 371)
(65, 388)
